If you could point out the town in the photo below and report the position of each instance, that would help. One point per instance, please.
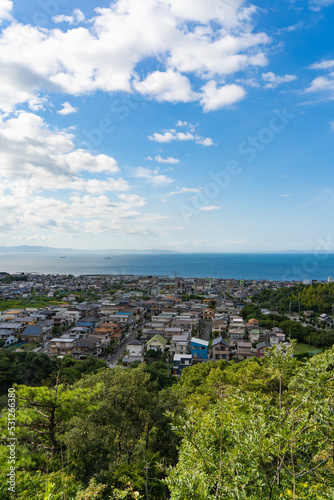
(129, 319)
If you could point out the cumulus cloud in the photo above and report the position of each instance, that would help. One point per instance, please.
(166, 86)
(274, 81)
(67, 109)
(323, 83)
(6, 7)
(169, 160)
(181, 123)
(326, 64)
(172, 135)
(35, 158)
(214, 97)
(201, 38)
(81, 213)
(77, 17)
(153, 177)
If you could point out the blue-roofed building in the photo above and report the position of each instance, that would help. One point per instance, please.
(32, 334)
(89, 325)
(199, 349)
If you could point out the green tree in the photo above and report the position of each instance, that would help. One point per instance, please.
(253, 445)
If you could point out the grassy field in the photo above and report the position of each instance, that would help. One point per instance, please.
(305, 348)
(23, 303)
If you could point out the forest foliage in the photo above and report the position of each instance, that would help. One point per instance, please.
(317, 297)
(258, 429)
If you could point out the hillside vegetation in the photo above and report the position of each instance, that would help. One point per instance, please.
(259, 429)
(318, 297)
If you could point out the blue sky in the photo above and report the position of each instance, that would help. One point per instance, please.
(193, 125)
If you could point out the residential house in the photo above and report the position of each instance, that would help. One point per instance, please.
(261, 349)
(180, 344)
(12, 325)
(199, 349)
(244, 350)
(136, 349)
(135, 352)
(147, 333)
(32, 334)
(27, 320)
(7, 336)
(220, 349)
(181, 361)
(152, 306)
(61, 346)
(276, 338)
(219, 326)
(208, 314)
(187, 322)
(88, 346)
(157, 343)
(11, 314)
(123, 318)
(172, 330)
(253, 323)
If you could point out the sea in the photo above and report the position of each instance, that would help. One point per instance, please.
(273, 267)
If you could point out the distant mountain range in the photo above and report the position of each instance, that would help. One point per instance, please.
(40, 249)
(24, 249)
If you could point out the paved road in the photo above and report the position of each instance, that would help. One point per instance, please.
(206, 330)
(122, 348)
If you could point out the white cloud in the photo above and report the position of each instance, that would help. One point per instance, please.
(198, 38)
(209, 208)
(206, 56)
(77, 17)
(6, 7)
(322, 84)
(166, 86)
(67, 109)
(317, 5)
(285, 195)
(326, 64)
(205, 141)
(81, 214)
(153, 177)
(184, 191)
(180, 123)
(35, 158)
(169, 160)
(274, 81)
(214, 98)
(291, 27)
(332, 125)
(39, 237)
(172, 135)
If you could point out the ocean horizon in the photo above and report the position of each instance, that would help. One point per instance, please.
(257, 266)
